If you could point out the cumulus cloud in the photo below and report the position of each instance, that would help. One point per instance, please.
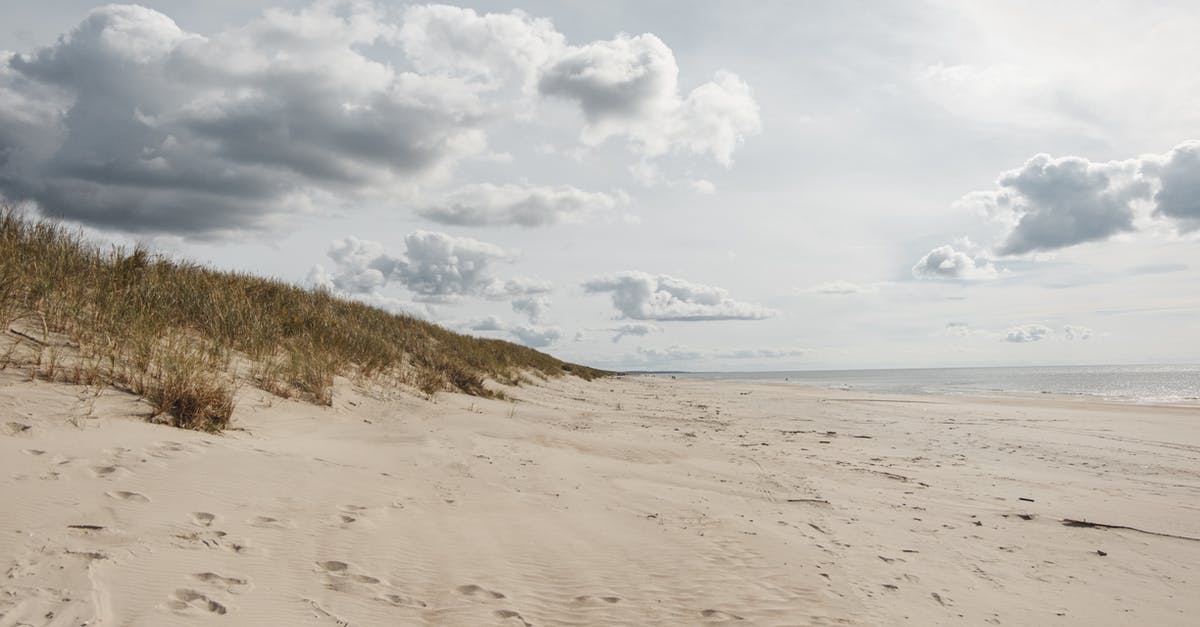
(639, 329)
(1027, 333)
(668, 354)
(492, 48)
(525, 205)
(643, 296)
(130, 122)
(535, 336)
(1076, 332)
(532, 335)
(435, 267)
(133, 123)
(629, 87)
(1178, 194)
(945, 262)
(534, 307)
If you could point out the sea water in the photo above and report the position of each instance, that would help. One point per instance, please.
(1138, 384)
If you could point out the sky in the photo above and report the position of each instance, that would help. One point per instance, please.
(648, 185)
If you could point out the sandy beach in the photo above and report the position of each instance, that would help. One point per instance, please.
(628, 501)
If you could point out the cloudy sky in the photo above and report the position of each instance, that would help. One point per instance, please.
(702, 185)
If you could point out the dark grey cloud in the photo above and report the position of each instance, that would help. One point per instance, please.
(1178, 196)
(435, 267)
(643, 296)
(1068, 201)
(945, 262)
(525, 205)
(129, 122)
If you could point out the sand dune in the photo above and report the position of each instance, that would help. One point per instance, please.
(632, 501)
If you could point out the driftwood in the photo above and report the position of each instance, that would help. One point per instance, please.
(1071, 522)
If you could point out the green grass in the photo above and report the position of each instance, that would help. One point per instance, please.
(185, 337)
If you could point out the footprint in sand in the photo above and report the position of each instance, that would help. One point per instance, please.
(333, 566)
(506, 614)
(132, 497)
(719, 615)
(184, 599)
(14, 428)
(400, 600)
(474, 590)
(203, 519)
(269, 522)
(233, 585)
(33, 451)
(104, 471)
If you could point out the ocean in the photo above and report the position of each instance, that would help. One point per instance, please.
(1135, 384)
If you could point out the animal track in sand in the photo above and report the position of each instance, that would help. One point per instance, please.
(333, 566)
(133, 497)
(473, 590)
(184, 599)
(230, 584)
(352, 509)
(33, 451)
(720, 615)
(215, 539)
(204, 519)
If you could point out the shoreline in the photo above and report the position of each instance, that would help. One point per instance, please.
(627, 501)
(967, 394)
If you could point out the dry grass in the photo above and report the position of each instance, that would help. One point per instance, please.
(171, 332)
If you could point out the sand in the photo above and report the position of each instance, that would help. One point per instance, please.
(634, 501)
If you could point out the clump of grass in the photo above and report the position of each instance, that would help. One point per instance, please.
(171, 331)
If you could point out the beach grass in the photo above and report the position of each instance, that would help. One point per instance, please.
(185, 337)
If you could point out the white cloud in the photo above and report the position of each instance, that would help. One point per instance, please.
(1076, 332)
(640, 329)
(944, 262)
(536, 336)
(435, 267)
(643, 296)
(759, 353)
(534, 307)
(532, 335)
(525, 205)
(628, 87)
(493, 48)
(841, 288)
(1027, 333)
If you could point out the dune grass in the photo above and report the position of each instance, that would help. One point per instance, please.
(185, 337)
